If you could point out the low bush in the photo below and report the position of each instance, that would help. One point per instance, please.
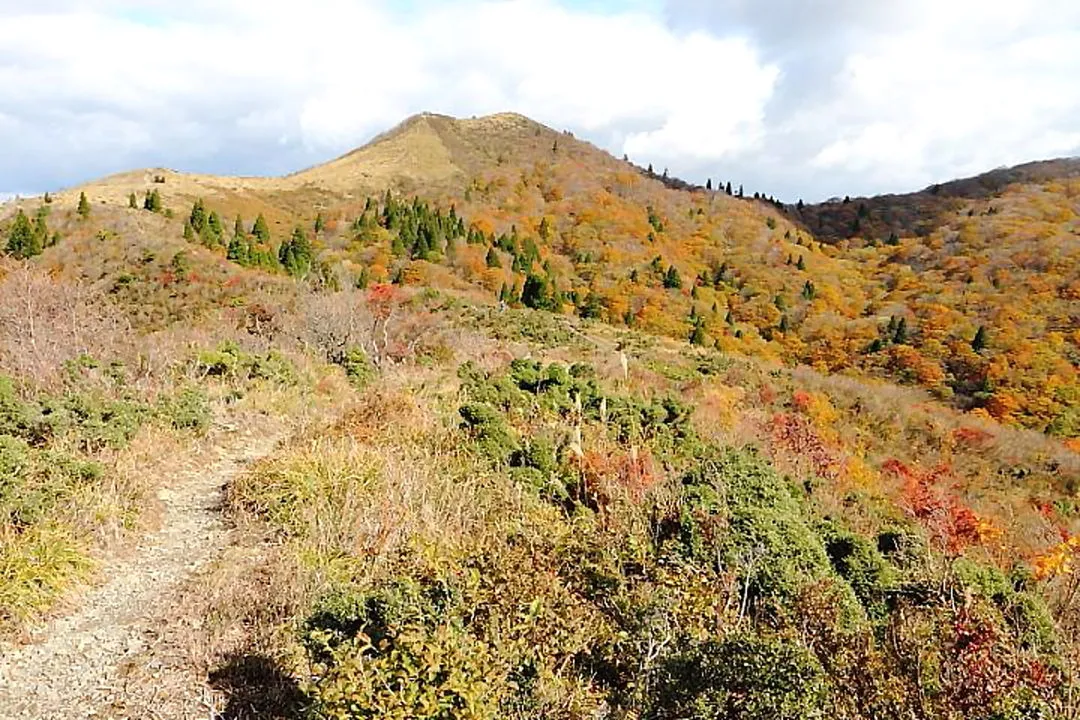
(229, 361)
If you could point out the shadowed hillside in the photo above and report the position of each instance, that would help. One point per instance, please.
(919, 213)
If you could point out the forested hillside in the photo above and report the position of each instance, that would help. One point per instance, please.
(570, 438)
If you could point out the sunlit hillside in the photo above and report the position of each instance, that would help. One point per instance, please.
(510, 427)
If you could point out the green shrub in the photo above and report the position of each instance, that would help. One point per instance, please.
(736, 508)
(500, 391)
(98, 422)
(186, 410)
(1026, 613)
(358, 368)
(494, 438)
(394, 654)
(16, 417)
(229, 361)
(743, 676)
(858, 562)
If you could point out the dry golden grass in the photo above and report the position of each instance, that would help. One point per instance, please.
(426, 153)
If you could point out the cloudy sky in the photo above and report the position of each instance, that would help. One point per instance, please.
(797, 98)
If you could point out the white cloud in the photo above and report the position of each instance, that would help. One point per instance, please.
(271, 86)
(979, 85)
(851, 97)
(897, 94)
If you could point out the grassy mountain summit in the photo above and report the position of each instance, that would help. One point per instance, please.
(916, 279)
(561, 437)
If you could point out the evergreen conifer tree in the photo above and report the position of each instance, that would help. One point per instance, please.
(198, 217)
(84, 206)
(295, 255)
(21, 237)
(672, 281)
(260, 229)
(900, 336)
(978, 343)
(697, 335)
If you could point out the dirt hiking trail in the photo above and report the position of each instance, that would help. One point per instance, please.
(78, 665)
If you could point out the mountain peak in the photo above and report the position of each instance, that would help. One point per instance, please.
(432, 150)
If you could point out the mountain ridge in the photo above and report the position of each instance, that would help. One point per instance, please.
(602, 439)
(918, 211)
(430, 150)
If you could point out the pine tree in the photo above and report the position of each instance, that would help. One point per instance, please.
(397, 247)
(978, 343)
(672, 281)
(21, 238)
(319, 223)
(84, 206)
(189, 232)
(153, 201)
(801, 265)
(708, 184)
(295, 255)
(536, 294)
(783, 324)
(493, 259)
(728, 188)
(39, 239)
(198, 217)
(213, 234)
(697, 335)
(363, 278)
(900, 335)
(133, 202)
(237, 251)
(238, 227)
(260, 229)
